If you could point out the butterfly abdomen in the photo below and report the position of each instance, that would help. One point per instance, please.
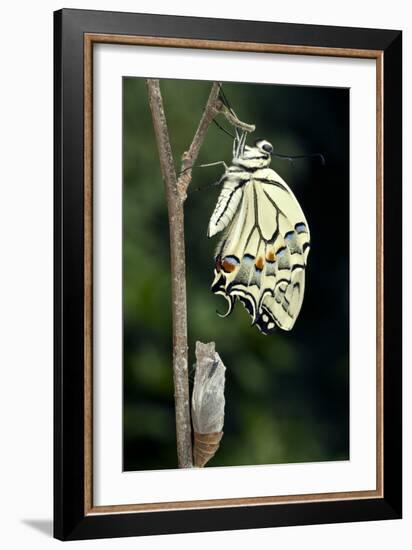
(228, 202)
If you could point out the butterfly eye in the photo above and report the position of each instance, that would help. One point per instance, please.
(268, 148)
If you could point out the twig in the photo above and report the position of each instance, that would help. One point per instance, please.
(178, 282)
(213, 107)
(234, 121)
(176, 189)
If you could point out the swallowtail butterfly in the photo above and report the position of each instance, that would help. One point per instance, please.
(262, 254)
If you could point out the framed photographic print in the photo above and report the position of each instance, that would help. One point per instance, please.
(227, 274)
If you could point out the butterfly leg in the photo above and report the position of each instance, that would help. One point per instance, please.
(215, 183)
(240, 144)
(235, 143)
(219, 162)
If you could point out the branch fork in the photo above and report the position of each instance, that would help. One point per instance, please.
(176, 192)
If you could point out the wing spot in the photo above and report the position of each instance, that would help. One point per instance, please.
(301, 228)
(229, 263)
(260, 262)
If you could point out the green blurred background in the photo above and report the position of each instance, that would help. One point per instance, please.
(287, 395)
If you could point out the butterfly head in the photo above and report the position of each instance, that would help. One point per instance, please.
(257, 156)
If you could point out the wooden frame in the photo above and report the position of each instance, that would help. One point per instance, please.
(75, 33)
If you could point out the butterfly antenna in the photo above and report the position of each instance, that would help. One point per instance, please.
(224, 129)
(223, 96)
(225, 100)
(294, 157)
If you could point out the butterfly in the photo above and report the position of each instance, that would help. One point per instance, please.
(262, 254)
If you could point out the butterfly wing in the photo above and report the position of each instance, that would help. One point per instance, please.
(262, 255)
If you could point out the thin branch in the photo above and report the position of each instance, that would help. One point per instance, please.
(178, 279)
(162, 136)
(234, 121)
(213, 107)
(189, 157)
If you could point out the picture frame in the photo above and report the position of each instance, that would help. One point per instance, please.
(76, 32)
